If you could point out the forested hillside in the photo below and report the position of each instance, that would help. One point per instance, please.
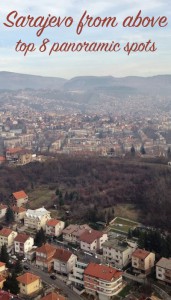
(97, 184)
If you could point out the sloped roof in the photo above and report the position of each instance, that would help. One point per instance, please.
(102, 272)
(52, 222)
(140, 253)
(21, 238)
(5, 232)
(53, 296)
(62, 254)
(20, 194)
(46, 249)
(89, 236)
(27, 278)
(164, 263)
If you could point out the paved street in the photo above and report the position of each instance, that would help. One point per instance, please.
(55, 283)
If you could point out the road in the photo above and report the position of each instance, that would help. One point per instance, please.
(55, 283)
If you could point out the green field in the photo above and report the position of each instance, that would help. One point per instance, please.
(121, 225)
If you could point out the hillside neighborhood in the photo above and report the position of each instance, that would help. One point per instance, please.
(41, 254)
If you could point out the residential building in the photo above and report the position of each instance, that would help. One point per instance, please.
(73, 232)
(142, 261)
(3, 209)
(54, 227)
(25, 158)
(36, 218)
(19, 198)
(12, 154)
(77, 276)
(45, 257)
(2, 267)
(29, 283)
(102, 280)
(23, 243)
(7, 237)
(53, 296)
(19, 213)
(31, 255)
(64, 261)
(2, 280)
(163, 270)
(118, 252)
(92, 240)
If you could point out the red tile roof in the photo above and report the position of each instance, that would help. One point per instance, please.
(27, 278)
(140, 253)
(46, 249)
(102, 272)
(13, 150)
(21, 238)
(53, 296)
(62, 254)
(89, 236)
(5, 232)
(19, 195)
(52, 222)
(2, 264)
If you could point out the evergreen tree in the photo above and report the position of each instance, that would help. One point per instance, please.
(9, 216)
(4, 256)
(11, 284)
(40, 238)
(18, 267)
(61, 200)
(142, 150)
(57, 192)
(132, 151)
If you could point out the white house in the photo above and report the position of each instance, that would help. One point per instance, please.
(36, 218)
(163, 270)
(118, 252)
(7, 237)
(92, 240)
(54, 227)
(3, 209)
(73, 232)
(64, 261)
(23, 243)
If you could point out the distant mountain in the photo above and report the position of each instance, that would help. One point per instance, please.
(155, 85)
(160, 84)
(16, 81)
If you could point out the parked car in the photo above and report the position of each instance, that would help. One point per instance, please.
(53, 276)
(26, 267)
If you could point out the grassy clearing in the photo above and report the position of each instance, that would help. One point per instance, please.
(122, 225)
(41, 196)
(125, 222)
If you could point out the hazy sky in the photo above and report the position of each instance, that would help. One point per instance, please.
(68, 65)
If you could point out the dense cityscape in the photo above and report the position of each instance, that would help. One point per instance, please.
(49, 253)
